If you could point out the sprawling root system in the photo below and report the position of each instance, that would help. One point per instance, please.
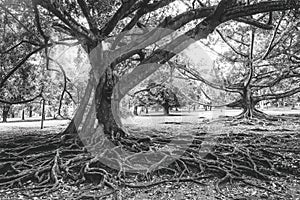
(42, 163)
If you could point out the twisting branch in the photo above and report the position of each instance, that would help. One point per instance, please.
(109, 27)
(15, 18)
(222, 55)
(228, 43)
(38, 23)
(23, 101)
(254, 23)
(41, 31)
(19, 64)
(73, 27)
(199, 2)
(222, 13)
(15, 46)
(132, 23)
(270, 47)
(251, 70)
(196, 76)
(64, 86)
(278, 95)
(86, 12)
(155, 5)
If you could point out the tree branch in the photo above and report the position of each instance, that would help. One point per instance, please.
(232, 47)
(64, 86)
(23, 101)
(251, 70)
(278, 95)
(25, 27)
(74, 27)
(86, 12)
(111, 24)
(19, 64)
(270, 47)
(15, 46)
(254, 23)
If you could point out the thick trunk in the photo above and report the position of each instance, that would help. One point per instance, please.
(5, 112)
(104, 112)
(248, 103)
(78, 116)
(166, 108)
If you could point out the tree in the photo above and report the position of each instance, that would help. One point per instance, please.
(257, 68)
(156, 93)
(103, 28)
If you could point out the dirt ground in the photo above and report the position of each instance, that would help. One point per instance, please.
(283, 137)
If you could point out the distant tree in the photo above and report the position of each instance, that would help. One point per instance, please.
(163, 95)
(257, 66)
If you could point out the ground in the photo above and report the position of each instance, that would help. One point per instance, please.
(270, 148)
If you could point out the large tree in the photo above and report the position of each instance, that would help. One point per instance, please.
(111, 33)
(258, 65)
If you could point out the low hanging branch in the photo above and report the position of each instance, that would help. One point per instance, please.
(64, 87)
(278, 95)
(196, 76)
(17, 45)
(20, 63)
(22, 101)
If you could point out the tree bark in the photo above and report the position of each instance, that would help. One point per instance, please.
(247, 103)
(103, 99)
(5, 112)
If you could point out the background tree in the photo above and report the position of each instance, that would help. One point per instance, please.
(253, 66)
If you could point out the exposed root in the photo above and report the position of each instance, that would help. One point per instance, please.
(230, 158)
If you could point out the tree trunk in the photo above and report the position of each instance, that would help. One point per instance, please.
(43, 114)
(23, 114)
(166, 108)
(5, 112)
(78, 116)
(135, 110)
(30, 111)
(12, 114)
(103, 99)
(247, 103)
